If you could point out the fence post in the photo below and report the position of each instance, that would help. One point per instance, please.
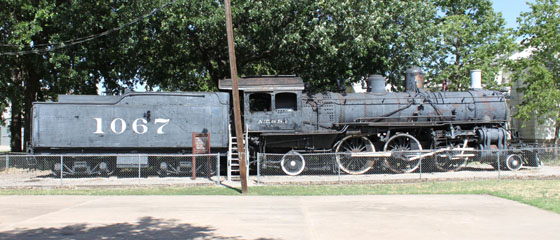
(338, 169)
(208, 166)
(258, 168)
(218, 181)
(61, 168)
(499, 168)
(420, 168)
(139, 173)
(7, 161)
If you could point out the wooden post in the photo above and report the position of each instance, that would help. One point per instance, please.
(235, 92)
(193, 161)
(208, 162)
(200, 145)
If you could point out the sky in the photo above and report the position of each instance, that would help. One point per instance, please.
(511, 9)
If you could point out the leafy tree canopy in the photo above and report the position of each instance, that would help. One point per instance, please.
(540, 30)
(58, 47)
(471, 36)
(321, 41)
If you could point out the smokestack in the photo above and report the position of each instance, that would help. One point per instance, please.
(476, 79)
(376, 84)
(414, 79)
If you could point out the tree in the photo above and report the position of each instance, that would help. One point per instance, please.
(471, 36)
(321, 41)
(182, 46)
(46, 50)
(540, 73)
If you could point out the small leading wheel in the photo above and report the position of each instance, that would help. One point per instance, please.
(450, 160)
(354, 165)
(292, 163)
(163, 169)
(106, 168)
(514, 162)
(56, 169)
(405, 157)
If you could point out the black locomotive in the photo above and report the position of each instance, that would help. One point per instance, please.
(281, 118)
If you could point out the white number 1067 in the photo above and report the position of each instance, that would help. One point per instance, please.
(139, 126)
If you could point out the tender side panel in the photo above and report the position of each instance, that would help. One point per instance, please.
(137, 121)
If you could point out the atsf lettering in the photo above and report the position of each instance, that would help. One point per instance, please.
(273, 121)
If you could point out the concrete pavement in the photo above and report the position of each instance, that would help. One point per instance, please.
(273, 217)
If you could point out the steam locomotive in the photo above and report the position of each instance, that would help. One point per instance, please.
(280, 117)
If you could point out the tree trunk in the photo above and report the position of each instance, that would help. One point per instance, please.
(15, 128)
(15, 98)
(30, 96)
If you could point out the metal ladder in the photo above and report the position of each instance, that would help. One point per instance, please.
(234, 158)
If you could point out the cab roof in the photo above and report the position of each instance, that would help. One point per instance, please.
(265, 83)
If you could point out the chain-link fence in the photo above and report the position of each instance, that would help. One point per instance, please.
(272, 168)
(402, 165)
(108, 170)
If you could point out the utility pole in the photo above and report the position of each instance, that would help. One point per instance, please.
(235, 92)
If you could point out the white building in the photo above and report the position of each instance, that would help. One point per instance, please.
(531, 130)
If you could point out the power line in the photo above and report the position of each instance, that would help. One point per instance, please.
(80, 40)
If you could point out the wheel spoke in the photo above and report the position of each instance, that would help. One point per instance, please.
(449, 161)
(354, 165)
(401, 145)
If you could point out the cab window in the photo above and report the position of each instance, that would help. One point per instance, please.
(286, 101)
(260, 102)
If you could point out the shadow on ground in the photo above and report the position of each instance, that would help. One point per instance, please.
(145, 228)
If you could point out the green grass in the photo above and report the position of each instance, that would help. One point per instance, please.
(544, 194)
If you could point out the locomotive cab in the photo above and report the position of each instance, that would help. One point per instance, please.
(273, 111)
(270, 103)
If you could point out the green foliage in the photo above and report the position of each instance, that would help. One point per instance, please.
(540, 95)
(50, 51)
(71, 46)
(471, 36)
(321, 41)
(540, 73)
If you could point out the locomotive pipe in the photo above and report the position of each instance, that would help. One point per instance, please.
(476, 79)
(376, 84)
(414, 79)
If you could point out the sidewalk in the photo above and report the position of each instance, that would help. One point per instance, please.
(273, 217)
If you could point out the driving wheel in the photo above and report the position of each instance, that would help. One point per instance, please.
(406, 150)
(354, 165)
(450, 160)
